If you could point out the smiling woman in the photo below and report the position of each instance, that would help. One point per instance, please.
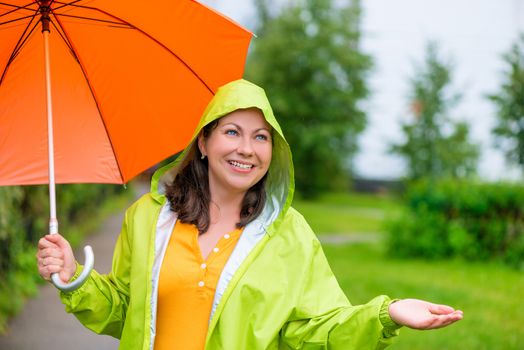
(214, 257)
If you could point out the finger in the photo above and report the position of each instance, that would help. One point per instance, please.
(438, 309)
(51, 252)
(50, 261)
(457, 315)
(54, 269)
(47, 271)
(45, 242)
(445, 320)
(42, 271)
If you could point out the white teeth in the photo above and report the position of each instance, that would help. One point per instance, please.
(240, 165)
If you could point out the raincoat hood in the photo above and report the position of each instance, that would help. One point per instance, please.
(240, 94)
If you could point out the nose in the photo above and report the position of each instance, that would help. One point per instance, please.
(245, 147)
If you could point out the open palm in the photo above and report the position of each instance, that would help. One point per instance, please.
(420, 314)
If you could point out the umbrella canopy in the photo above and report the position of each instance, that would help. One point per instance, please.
(129, 81)
(119, 86)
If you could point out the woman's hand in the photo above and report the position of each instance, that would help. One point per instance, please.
(420, 314)
(55, 255)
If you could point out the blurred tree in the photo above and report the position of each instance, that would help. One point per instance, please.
(307, 57)
(435, 146)
(509, 130)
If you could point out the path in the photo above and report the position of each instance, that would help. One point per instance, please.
(44, 325)
(350, 238)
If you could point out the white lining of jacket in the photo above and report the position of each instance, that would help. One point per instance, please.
(251, 235)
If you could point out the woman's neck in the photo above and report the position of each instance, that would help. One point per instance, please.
(225, 206)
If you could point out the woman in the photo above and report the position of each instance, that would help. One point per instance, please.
(214, 257)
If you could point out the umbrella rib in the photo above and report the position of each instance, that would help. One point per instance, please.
(177, 57)
(149, 36)
(16, 8)
(59, 30)
(93, 19)
(23, 38)
(65, 4)
(16, 19)
(21, 41)
(69, 43)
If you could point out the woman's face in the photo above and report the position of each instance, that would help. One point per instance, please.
(238, 150)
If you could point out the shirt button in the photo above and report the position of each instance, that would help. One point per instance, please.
(201, 283)
(226, 236)
(203, 266)
(215, 250)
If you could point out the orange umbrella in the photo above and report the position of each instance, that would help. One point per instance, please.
(119, 85)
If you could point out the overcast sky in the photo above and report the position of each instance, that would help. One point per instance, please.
(473, 34)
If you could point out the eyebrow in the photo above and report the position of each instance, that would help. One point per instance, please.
(240, 128)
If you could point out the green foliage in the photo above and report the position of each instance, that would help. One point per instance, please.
(453, 218)
(510, 105)
(308, 59)
(24, 215)
(10, 225)
(435, 146)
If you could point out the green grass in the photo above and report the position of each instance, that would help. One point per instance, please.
(347, 213)
(489, 294)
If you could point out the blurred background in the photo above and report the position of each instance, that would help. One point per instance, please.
(406, 122)
(472, 37)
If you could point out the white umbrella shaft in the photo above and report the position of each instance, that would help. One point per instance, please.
(53, 221)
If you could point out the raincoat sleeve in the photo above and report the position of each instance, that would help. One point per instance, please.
(101, 303)
(324, 318)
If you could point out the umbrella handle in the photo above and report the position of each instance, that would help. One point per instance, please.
(77, 283)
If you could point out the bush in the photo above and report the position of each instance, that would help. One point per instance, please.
(24, 215)
(450, 218)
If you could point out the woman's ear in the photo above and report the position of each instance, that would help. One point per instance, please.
(202, 144)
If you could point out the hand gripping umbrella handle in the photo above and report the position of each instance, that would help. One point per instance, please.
(77, 283)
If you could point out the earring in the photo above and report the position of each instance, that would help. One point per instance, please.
(203, 156)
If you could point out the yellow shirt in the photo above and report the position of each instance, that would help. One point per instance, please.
(187, 287)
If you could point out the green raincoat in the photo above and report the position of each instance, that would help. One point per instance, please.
(276, 291)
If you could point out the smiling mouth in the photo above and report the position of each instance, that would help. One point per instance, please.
(240, 165)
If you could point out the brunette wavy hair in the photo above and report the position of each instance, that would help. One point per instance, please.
(189, 195)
